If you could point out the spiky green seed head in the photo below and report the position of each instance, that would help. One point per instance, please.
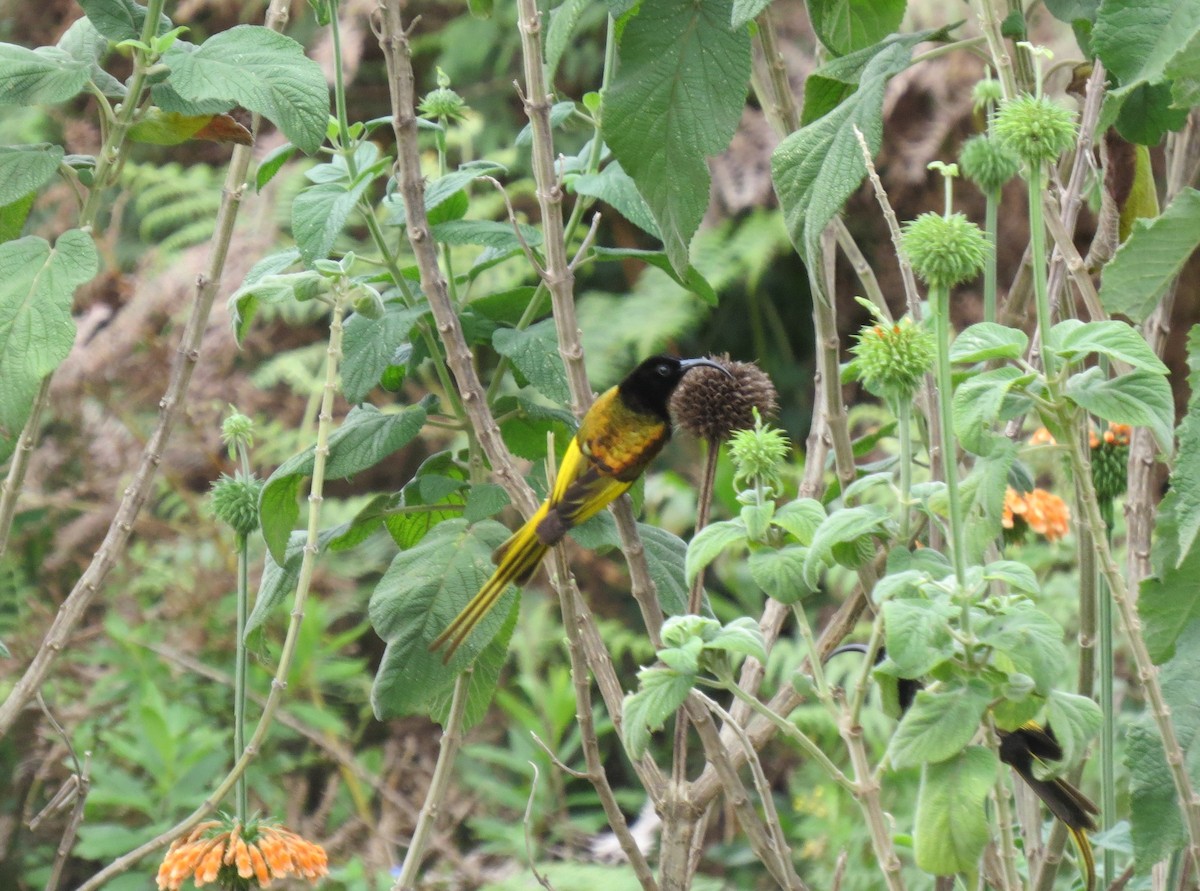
(945, 250)
(235, 502)
(892, 358)
(988, 163)
(986, 92)
(758, 454)
(237, 430)
(443, 103)
(1036, 129)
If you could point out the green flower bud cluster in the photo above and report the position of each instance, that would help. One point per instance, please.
(988, 163)
(1110, 463)
(891, 359)
(237, 431)
(944, 250)
(235, 502)
(1035, 128)
(758, 454)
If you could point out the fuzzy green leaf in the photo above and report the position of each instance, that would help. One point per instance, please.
(918, 635)
(365, 438)
(800, 518)
(487, 233)
(44, 76)
(710, 542)
(841, 527)
(26, 168)
(319, 214)
(483, 679)
(534, 353)
(986, 341)
(951, 826)
(742, 636)
(660, 692)
(1073, 340)
(665, 556)
(419, 595)
(820, 165)
(746, 10)
(1075, 720)
(780, 573)
(690, 279)
(676, 99)
(37, 286)
(616, 188)
(939, 724)
(1031, 640)
(279, 578)
(977, 406)
(1017, 576)
(265, 72)
(1151, 257)
(120, 19)
(371, 346)
(440, 190)
(1140, 398)
(845, 26)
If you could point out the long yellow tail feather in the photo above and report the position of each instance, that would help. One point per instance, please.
(1088, 861)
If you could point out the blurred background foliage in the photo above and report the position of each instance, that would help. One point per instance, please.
(146, 686)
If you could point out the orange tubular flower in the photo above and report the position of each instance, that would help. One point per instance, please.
(239, 858)
(1043, 512)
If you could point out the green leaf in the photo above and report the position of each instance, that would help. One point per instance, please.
(781, 573)
(558, 35)
(441, 190)
(37, 286)
(742, 636)
(371, 346)
(13, 216)
(801, 518)
(939, 724)
(366, 437)
(265, 72)
(1075, 720)
(44, 76)
(534, 353)
(744, 11)
(483, 501)
(1031, 641)
(1169, 600)
(1070, 11)
(977, 406)
(1184, 73)
(848, 25)
(560, 113)
(842, 527)
(830, 84)
(951, 828)
(660, 692)
(120, 19)
(488, 233)
(710, 542)
(1017, 576)
(84, 43)
(272, 164)
(26, 168)
(1146, 114)
(1184, 497)
(483, 679)
(1140, 398)
(817, 168)
(1151, 257)
(690, 279)
(270, 289)
(665, 555)
(408, 528)
(279, 578)
(319, 214)
(677, 98)
(1136, 39)
(918, 635)
(1073, 340)
(420, 594)
(986, 341)
(616, 188)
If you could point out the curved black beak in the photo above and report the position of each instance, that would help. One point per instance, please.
(686, 364)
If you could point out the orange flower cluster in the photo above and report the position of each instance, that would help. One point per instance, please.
(240, 860)
(1116, 435)
(1043, 512)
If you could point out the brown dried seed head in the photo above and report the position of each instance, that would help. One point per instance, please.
(711, 405)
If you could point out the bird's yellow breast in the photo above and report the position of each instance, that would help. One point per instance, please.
(619, 441)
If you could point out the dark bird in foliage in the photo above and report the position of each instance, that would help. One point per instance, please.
(618, 437)
(1020, 749)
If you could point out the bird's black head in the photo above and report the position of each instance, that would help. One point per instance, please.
(648, 387)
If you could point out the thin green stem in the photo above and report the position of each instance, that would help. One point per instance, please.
(794, 733)
(339, 90)
(939, 298)
(452, 736)
(1037, 247)
(904, 429)
(239, 674)
(1108, 730)
(991, 225)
